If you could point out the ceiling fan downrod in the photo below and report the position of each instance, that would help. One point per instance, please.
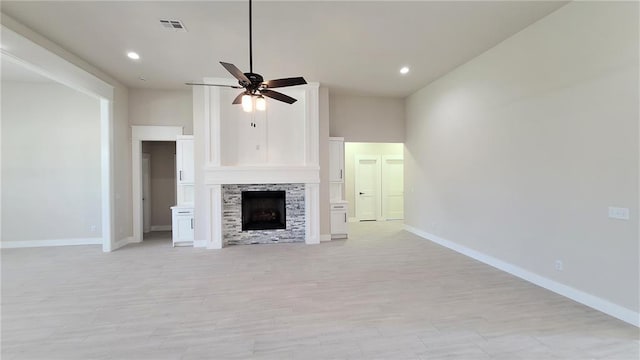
(250, 40)
(254, 84)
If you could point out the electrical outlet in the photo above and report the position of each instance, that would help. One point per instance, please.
(618, 213)
(559, 265)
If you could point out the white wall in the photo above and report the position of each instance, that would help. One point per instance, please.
(366, 118)
(50, 163)
(350, 152)
(161, 107)
(518, 153)
(162, 179)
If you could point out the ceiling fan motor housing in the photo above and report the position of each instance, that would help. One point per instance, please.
(256, 81)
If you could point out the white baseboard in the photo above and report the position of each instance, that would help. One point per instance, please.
(160, 227)
(122, 242)
(51, 242)
(602, 305)
(200, 243)
(325, 237)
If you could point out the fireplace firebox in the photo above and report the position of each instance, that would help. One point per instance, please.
(263, 210)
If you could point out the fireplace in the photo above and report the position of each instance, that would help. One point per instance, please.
(235, 212)
(263, 210)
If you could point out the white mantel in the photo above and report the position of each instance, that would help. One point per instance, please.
(283, 148)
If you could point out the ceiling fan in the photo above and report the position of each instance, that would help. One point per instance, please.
(254, 85)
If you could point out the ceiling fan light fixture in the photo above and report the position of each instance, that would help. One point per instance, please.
(247, 103)
(261, 104)
(254, 85)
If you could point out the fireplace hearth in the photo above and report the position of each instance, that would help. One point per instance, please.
(263, 210)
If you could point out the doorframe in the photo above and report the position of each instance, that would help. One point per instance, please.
(146, 195)
(378, 159)
(18, 48)
(140, 133)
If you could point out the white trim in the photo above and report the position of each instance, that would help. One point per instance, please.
(325, 237)
(216, 241)
(589, 300)
(160, 227)
(138, 135)
(312, 213)
(40, 60)
(106, 175)
(52, 242)
(312, 126)
(199, 243)
(122, 242)
(155, 132)
(212, 125)
(261, 174)
(353, 219)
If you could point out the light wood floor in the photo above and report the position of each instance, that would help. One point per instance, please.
(382, 294)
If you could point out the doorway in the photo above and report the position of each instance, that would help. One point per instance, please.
(158, 168)
(374, 182)
(140, 134)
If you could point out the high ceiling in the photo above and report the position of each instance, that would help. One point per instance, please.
(350, 46)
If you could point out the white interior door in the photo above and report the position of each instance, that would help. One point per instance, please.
(367, 187)
(392, 187)
(146, 192)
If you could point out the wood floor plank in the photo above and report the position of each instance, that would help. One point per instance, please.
(381, 294)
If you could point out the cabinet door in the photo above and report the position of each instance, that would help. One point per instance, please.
(184, 161)
(338, 222)
(336, 161)
(184, 228)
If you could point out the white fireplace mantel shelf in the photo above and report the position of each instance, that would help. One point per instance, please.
(271, 174)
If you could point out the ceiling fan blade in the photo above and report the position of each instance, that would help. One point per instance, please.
(278, 96)
(285, 82)
(237, 73)
(203, 84)
(238, 99)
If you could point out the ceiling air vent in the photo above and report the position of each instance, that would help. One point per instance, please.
(175, 25)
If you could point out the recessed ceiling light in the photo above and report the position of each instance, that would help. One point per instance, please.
(404, 70)
(133, 55)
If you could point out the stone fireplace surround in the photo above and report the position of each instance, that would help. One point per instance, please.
(232, 215)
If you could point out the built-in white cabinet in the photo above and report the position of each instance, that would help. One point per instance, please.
(339, 206)
(185, 170)
(336, 159)
(184, 159)
(182, 225)
(339, 226)
(182, 214)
